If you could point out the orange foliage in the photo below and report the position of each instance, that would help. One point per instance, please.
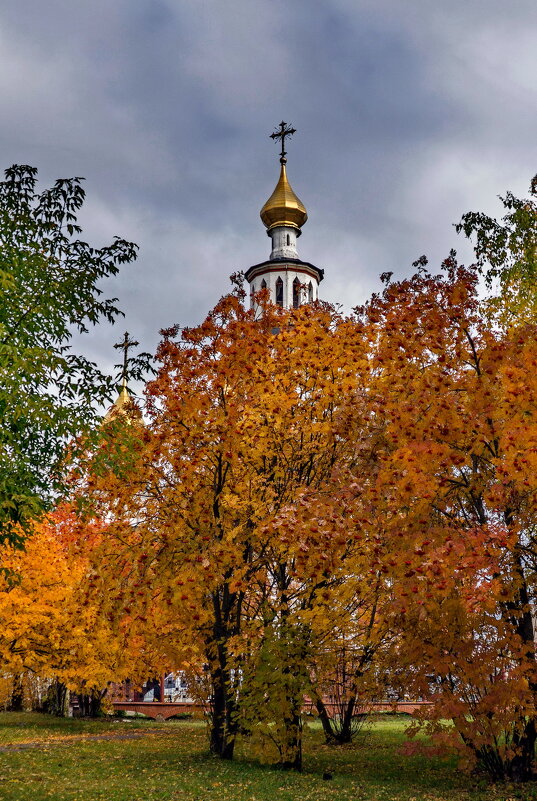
(309, 486)
(49, 626)
(457, 487)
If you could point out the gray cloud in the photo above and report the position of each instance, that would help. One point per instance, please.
(408, 114)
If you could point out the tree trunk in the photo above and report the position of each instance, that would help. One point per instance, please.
(90, 704)
(521, 767)
(326, 722)
(224, 724)
(337, 733)
(293, 747)
(293, 653)
(58, 699)
(16, 703)
(345, 732)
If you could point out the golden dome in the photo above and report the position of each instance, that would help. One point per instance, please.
(283, 207)
(124, 407)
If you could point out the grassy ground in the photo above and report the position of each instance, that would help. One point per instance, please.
(91, 761)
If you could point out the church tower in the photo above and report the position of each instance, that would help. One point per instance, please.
(290, 281)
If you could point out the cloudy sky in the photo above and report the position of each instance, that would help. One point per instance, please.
(408, 113)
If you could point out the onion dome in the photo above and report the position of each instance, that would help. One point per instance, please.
(124, 407)
(283, 207)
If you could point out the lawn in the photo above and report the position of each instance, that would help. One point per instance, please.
(47, 758)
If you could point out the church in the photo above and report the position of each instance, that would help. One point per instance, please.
(289, 280)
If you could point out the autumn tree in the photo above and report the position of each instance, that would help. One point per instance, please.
(49, 288)
(311, 488)
(455, 481)
(243, 434)
(49, 627)
(179, 510)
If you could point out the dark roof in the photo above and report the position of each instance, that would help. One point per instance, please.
(279, 262)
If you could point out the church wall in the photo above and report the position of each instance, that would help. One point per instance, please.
(287, 276)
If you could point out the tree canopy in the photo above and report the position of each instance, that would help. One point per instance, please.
(506, 256)
(318, 508)
(314, 492)
(49, 288)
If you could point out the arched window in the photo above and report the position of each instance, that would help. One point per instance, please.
(310, 292)
(263, 284)
(288, 239)
(296, 293)
(279, 292)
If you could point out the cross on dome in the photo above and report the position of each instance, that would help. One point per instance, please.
(284, 207)
(285, 130)
(124, 345)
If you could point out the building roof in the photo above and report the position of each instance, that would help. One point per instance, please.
(283, 207)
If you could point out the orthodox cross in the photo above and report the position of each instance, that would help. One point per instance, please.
(124, 345)
(281, 132)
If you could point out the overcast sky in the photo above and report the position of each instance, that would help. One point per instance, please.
(408, 113)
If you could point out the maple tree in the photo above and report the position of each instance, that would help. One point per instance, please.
(242, 426)
(456, 484)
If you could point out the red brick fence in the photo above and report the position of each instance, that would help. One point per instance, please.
(162, 711)
(157, 709)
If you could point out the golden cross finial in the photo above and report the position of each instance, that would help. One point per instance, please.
(124, 345)
(281, 132)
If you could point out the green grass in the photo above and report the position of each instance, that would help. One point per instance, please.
(169, 762)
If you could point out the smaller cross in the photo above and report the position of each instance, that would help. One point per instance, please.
(281, 132)
(124, 345)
